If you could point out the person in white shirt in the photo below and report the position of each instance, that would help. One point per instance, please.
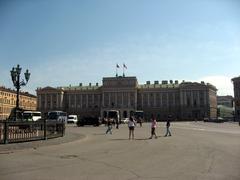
(153, 128)
(131, 125)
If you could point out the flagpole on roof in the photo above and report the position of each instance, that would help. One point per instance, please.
(124, 66)
(117, 66)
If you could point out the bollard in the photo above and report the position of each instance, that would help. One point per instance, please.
(5, 132)
(45, 129)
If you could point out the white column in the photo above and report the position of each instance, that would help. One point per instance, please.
(87, 100)
(115, 99)
(122, 100)
(103, 99)
(75, 101)
(148, 99)
(181, 98)
(45, 101)
(81, 101)
(51, 101)
(40, 101)
(57, 105)
(161, 97)
(205, 98)
(167, 100)
(173, 96)
(60, 99)
(128, 99)
(198, 98)
(192, 98)
(154, 99)
(185, 98)
(135, 104)
(69, 100)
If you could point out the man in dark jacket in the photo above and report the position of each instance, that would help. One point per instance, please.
(168, 133)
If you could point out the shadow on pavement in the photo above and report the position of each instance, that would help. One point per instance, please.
(96, 134)
(126, 139)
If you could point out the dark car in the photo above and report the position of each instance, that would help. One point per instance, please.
(88, 121)
(215, 120)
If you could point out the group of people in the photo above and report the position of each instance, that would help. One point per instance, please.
(132, 123)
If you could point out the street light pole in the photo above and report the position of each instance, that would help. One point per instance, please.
(15, 74)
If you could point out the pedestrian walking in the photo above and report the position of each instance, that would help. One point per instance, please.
(131, 126)
(168, 133)
(109, 126)
(153, 127)
(117, 123)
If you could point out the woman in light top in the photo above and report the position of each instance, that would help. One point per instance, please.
(153, 127)
(131, 125)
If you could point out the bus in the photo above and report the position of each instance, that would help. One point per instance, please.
(31, 115)
(114, 116)
(57, 116)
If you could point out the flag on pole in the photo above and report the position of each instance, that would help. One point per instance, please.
(117, 66)
(124, 66)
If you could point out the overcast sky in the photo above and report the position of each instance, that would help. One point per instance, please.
(66, 42)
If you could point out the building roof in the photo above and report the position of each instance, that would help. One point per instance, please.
(236, 78)
(146, 86)
(9, 90)
(164, 84)
(81, 88)
(225, 97)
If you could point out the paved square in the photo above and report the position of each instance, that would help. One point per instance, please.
(196, 150)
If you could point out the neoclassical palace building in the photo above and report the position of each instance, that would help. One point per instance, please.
(8, 99)
(184, 101)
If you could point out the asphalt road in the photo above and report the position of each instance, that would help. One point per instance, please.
(196, 151)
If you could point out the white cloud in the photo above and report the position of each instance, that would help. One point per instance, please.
(222, 83)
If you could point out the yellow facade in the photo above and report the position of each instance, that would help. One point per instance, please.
(8, 99)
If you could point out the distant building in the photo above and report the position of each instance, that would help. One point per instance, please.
(236, 86)
(184, 101)
(225, 101)
(225, 107)
(8, 99)
(225, 112)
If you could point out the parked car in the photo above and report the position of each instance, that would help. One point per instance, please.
(88, 121)
(57, 116)
(215, 120)
(206, 119)
(31, 115)
(72, 119)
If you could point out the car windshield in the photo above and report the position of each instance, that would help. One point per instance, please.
(138, 114)
(27, 115)
(36, 114)
(71, 117)
(63, 114)
(53, 115)
(112, 114)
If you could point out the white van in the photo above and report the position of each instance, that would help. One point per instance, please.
(32, 115)
(72, 118)
(114, 116)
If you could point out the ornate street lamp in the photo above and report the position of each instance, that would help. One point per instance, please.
(15, 74)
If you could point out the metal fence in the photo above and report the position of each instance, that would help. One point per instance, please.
(12, 131)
